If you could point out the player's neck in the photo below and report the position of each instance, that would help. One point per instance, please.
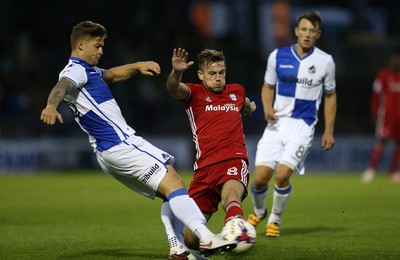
(302, 51)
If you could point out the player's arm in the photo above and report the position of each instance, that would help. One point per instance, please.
(376, 96)
(330, 105)
(175, 87)
(248, 107)
(50, 114)
(124, 72)
(267, 98)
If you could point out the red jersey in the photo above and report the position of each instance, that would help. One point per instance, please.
(385, 103)
(216, 123)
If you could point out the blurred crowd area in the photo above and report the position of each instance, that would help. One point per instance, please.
(35, 47)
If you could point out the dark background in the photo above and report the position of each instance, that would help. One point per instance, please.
(35, 47)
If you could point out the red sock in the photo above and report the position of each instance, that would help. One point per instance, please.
(234, 208)
(395, 160)
(376, 156)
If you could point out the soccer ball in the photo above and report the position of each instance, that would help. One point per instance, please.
(240, 231)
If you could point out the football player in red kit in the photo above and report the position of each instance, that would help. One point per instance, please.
(215, 110)
(385, 109)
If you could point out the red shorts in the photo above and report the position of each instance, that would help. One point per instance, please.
(388, 129)
(205, 188)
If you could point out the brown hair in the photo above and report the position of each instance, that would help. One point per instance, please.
(208, 56)
(85, 29)
(314, 17)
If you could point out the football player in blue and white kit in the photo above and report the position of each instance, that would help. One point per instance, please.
(297, 77)
(128, 158)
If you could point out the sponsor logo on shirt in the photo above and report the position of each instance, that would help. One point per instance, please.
(152, 170)
(291, 79)
(286, 66)
(227, 107)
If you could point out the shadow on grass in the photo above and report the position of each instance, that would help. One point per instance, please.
(309, 230)
(115, 253)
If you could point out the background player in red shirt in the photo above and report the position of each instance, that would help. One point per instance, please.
(385, 109)
(214, 110)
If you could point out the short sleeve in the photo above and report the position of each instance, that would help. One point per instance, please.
(330, 82)
(75, 73)
(270, 77)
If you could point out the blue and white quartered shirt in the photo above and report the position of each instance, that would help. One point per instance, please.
(300, 82)
(94, 106)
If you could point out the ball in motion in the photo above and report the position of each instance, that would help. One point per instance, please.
(240, 231)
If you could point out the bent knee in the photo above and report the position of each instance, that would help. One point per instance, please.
(262, 176)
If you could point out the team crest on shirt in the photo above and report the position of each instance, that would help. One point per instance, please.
(312, 69)
(233, 97)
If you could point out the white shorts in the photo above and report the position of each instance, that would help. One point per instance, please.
(137, 164)
(285, 142)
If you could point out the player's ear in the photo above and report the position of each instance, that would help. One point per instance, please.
(200, 75)
(80, 45)
(319, 34)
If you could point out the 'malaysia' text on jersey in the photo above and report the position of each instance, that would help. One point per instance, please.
(227, 107)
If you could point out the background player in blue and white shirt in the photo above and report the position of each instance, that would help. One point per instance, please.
(128, 158)
(297, 76)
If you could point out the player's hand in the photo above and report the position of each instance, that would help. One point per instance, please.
(50, 115)
(179, 60)
(149, 68)
(269, 115)
(253, 107)
(327, 141)
(248, 107)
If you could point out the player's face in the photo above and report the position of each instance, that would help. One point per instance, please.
(92, 49)
(307, 34)
(213, 76)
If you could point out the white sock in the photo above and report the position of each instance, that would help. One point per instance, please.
(186, 210)
(280, 199)
(174, 229)
(258, 198)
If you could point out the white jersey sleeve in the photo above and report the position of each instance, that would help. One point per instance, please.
(330, 82)
(271, 77)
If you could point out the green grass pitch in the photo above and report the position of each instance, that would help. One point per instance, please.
(92, 216)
